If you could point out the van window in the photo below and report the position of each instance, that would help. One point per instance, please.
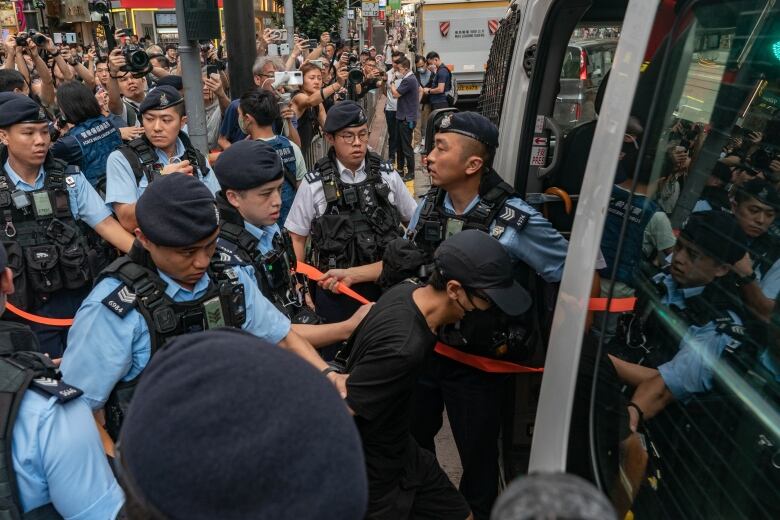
(684, 414)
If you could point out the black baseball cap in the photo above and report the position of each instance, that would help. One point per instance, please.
(478, 261)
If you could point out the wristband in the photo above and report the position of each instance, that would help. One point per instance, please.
(55, 54)
(328, 370)
(632, 404)
(742, 281)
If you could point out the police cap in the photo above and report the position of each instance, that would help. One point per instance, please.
(717, 234)
(248, 164)
(177, 210)
(761, 190)
(478, 261)
(344, 114)
(17, 108)
(722, 172)
(241, 429)
(473, 125)
(160, 98)
(171, 80)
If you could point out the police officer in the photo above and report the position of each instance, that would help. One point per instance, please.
(57, 467)
(162, 289)
(48, 209)
(351, 204)
(164, 148)
(468, 194)
(691, 298)
(252, 177)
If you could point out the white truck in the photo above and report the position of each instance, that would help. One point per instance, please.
(461, 33)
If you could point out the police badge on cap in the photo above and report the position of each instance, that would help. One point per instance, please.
(446, 121)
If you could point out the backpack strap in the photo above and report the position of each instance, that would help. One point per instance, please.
(140, 154)
(195, 156)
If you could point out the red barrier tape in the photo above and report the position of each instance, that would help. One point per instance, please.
(495, 366)
(314, 274)
(617, 304)
(42, 320)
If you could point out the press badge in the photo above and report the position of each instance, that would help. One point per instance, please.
(42, 204)
(213, 310)
(454, 226)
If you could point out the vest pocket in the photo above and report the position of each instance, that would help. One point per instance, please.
(75, 267)
(366, 248)
(21, 295)
(332, 237)
(43, 268)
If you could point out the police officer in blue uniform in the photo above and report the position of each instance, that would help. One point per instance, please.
(162, 289)
(57, 468)
(252, 177)
(164, 148)
(692, 300)
(48, 210)
(352, 205)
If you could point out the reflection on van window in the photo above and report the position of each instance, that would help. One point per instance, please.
(686, 414)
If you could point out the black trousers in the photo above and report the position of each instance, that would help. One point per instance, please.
(406, 153)
(392, 136)
(474, 402)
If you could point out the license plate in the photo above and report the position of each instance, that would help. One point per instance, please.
(468, 88)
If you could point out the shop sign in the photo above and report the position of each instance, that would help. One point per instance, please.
(72, 11)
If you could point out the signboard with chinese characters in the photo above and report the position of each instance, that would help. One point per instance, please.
(370, 9)
(74, 11)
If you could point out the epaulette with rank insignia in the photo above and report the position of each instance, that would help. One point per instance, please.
(509, 217)
(121, 301)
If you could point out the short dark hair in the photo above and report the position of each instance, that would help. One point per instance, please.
(418, 57)
(170, 46)
(437, 281)
(405, 63)
(11, 80)
(432, 56)
(396, 54)
(262, 105)
(77, 102)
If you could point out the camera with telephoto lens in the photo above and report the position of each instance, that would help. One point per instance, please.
(137, 61)
(37, 38)
(354, 70)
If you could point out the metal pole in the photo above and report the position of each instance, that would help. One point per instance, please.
(289, 23)
(189, 54)
(241, 45)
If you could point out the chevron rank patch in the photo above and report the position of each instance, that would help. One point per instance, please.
(121, 301)
(55, 387)
(511, 217)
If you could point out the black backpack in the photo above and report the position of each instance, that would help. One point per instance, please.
(22, 367)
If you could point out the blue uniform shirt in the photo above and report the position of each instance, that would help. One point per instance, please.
(120, 180)
(689, 372)
(58, 458)
(264, 234)
(538, 244)
(85, 203)
(104, 348)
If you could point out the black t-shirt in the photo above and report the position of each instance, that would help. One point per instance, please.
(387, 355)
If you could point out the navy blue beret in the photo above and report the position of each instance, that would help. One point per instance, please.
(224, 425)
(18, 108)
(762, 190)
(177, 210)
(171, 80)
(248, 164)
(717, 234)
(160, 98)
(344, 114)
(473, 125)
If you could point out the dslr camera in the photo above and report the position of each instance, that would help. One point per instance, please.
(355, 70)
(137, 61)
(37, 38)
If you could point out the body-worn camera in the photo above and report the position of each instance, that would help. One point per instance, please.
(137, 61)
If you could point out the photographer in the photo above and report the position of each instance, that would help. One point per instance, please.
(308, 102)
(125, 92)
(47, 84)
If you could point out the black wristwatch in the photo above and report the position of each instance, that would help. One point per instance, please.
(742, 281)
(632, 404)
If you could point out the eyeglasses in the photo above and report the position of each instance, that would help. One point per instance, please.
(481, 295)
(350, 138)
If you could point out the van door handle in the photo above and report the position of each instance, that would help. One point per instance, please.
(555, 130)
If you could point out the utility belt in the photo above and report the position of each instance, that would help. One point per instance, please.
(222, 306)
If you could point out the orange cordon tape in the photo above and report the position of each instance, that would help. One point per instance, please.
(495, 366)
(314, 274)
(41, 320)
(617, 304)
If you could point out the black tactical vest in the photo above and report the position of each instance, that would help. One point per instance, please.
(274, 270)
(764, 251)
(22, 368)
(359, 220)
(143, 289)
(48, 250)
(142, 158)
(485, 333)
